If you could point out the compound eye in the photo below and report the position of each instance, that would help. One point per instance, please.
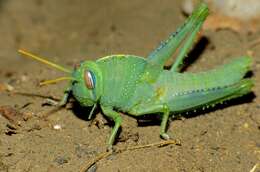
(89, 79)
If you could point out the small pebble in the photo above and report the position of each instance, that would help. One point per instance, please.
(57, 127)
(61, 160)
(24, 78)
(246, 125)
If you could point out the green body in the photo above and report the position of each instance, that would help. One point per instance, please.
(138, 86)
(128, 87)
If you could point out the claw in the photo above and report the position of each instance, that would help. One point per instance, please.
(165, 136)
(50, 102)
(110, 148)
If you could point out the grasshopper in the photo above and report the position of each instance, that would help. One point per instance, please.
(137, 86)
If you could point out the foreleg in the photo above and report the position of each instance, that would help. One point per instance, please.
(115, 116)
(65, 97)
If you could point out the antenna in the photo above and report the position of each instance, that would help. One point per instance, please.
(44, 61)
(52, 81)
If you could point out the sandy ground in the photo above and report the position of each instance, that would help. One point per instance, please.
(226, 138)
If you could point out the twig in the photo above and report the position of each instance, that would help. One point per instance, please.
(254, 168)
(254, 43)
(99, 157)
(121, 150)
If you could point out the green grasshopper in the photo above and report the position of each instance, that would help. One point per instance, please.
(139, 86)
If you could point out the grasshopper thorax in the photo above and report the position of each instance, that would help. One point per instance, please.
(88, 86)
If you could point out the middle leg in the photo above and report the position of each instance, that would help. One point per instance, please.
(139, 111)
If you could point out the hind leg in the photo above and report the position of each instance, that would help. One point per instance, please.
(139, 111)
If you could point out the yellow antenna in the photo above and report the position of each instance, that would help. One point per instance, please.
(52, 81)
(44, 61)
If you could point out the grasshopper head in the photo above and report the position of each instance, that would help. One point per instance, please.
(88, 86)
(87, 83)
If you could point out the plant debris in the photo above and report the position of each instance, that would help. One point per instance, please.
(121, 150)
(12, 115)
(6, 87)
